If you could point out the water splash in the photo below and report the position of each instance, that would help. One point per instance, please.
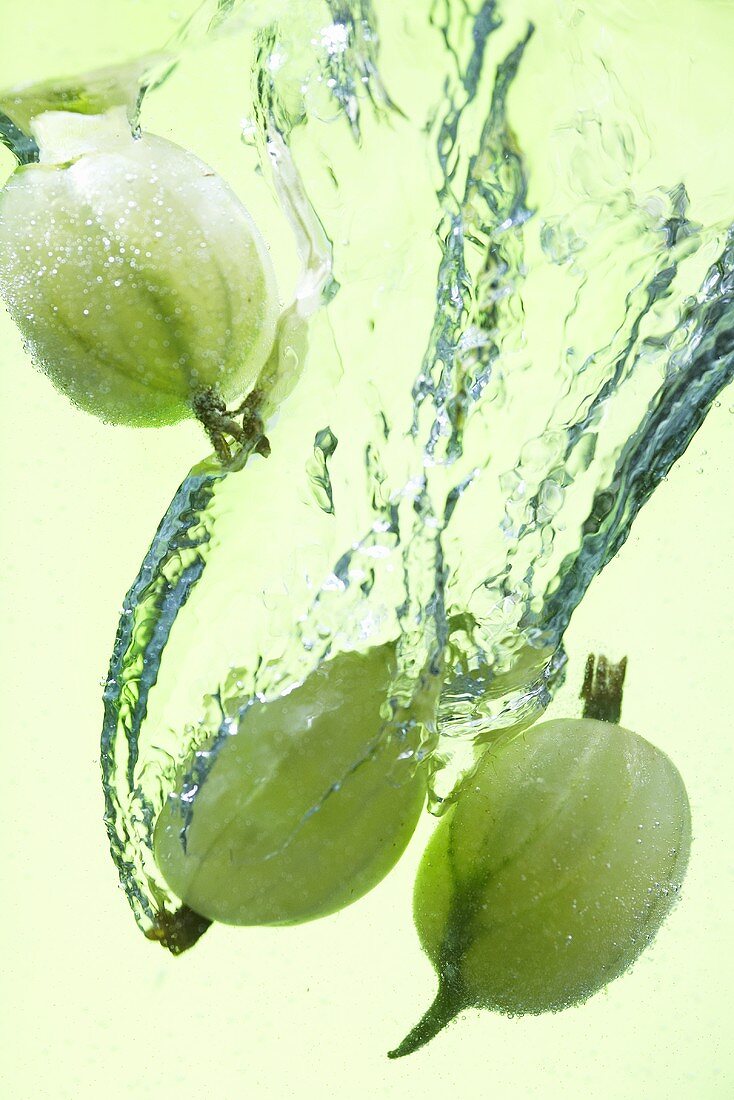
(513, 358)
(324, 445)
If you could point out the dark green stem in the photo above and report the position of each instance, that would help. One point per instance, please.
(448, 1004)
(178, 931)
(221, 425)
(603, 688)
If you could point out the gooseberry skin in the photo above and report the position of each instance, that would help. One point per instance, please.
(554, 869)
(307, 806)
(134, 273)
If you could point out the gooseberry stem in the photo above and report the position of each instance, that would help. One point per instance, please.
(448, 1004)
(218, 422)
(178, 931)
(603, 688)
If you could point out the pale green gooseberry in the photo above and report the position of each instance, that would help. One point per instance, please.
(134, 273)
(308, 803)
(551, 873)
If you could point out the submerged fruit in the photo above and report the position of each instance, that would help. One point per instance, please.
(556, 866)
(306, 806)
(136, 276)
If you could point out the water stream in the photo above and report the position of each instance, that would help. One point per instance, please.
(519, 311)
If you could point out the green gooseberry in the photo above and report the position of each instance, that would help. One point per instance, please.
(308, 803)
(556, 866)
(136, 276)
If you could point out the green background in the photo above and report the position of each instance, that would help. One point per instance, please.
(89, 1008)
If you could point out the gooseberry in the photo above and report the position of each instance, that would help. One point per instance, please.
(555, 867)
(136, 276)
(307, 804)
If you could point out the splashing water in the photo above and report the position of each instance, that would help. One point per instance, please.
(529, 315)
